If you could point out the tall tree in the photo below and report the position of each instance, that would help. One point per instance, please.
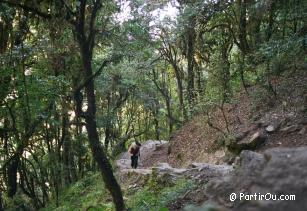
(84, 27)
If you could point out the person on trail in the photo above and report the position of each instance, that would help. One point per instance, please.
(134, 150)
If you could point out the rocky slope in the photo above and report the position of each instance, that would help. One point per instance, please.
(277, 172)
(279, 121)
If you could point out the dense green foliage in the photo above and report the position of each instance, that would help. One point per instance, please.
(90, 193)
(156, 193)
(159, 192)
(72, 68)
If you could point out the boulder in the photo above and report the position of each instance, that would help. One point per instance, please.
(133, 176)
(291, 128)
(162, 168)
(248, 143)
(284, 173)
(206, 172)
(241, 135)
(255, 141)
(303, 120)
(276, 171)
(272, 127)
(262, 123)
(302, 131)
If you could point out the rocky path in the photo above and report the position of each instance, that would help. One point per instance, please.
(154, 157)
(277, 171)
(152, 152)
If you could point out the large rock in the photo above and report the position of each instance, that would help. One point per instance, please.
(291, 128)
(241, 135)
(285, 174)
(256, 140)
(217, 170)
(137, 171)
(280, 171)
(302, 131)
(162, 168)
(272, 127)
(205, 171)
(249, 143)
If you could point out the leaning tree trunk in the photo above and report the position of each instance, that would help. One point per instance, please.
(96, 148)
(86, 44)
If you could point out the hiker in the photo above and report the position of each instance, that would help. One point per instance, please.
(134, 150)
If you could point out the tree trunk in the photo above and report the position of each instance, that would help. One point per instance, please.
(156, 120)
(86, 43)
(242, 4)
(190, 59)
(98, 152)
(12, 176)
(66, 141)
(180, 90)
(269, 31)
(91, 127)
(1, 203)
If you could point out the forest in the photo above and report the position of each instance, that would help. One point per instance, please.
(80, 80)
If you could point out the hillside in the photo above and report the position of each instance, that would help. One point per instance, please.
(198, 141)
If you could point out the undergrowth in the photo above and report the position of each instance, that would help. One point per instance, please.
(158, 193)
(89, 194)
(86, 194)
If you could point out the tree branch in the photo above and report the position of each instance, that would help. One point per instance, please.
(98, 72)
(90, 38)
(27, 8)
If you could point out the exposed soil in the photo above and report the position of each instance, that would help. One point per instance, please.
(197, 141)
(284, 139)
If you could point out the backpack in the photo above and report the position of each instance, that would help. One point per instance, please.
(134, 149)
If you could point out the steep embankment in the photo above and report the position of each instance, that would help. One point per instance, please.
(279, 121)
